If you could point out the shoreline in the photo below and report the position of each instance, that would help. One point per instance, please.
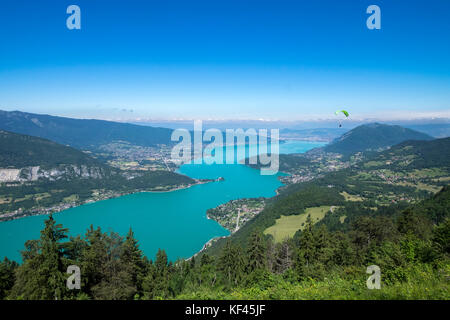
(208, 244)
(212, 240)
(198, 182)
(58, 208)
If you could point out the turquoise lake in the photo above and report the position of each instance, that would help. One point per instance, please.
(175, 221)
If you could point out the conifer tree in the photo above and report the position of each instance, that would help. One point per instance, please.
(132, 259)
(208, 273)
(231, 264)
(205, 260)
(51, 266)
(256, 253)
(93, 259)
(161, 275)
(42, 275)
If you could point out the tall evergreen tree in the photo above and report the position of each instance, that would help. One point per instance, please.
(231, 264)
(256, 253)
(132, 259)
(93, 258)
(51, 266)
(158, 280)
(42, 275)
(307, 242)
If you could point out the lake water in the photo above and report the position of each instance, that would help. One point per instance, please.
(175, 221)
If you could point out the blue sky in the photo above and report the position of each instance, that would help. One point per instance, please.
(234, 59)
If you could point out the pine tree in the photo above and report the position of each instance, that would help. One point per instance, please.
(93, 259)
(132, 259)
(148, 283)
(42, 275)
(256, 253)
(205, 260)
(305, 254)
(307, 242)
(208, 274)
(51, 266)
(231, 264)
(161, 275)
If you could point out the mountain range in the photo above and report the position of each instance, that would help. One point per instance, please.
(80, 133)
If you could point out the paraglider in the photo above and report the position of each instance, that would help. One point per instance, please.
(346, 114)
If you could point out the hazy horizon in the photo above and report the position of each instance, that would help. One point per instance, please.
(442, 125)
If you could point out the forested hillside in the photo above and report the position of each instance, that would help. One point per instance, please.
(18, 151)
(415, 155)
(82, 134)
(373, 137)
(399, 176)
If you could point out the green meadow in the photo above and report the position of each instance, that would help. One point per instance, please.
(286, 226)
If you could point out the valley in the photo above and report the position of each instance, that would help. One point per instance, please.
(320, 208)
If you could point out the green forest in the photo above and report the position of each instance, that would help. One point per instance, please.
(411, 245)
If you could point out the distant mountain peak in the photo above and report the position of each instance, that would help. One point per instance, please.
(373, 136)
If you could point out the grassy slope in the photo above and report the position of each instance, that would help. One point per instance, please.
(287, 226)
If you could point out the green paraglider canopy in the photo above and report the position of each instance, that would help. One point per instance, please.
(343, 111)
